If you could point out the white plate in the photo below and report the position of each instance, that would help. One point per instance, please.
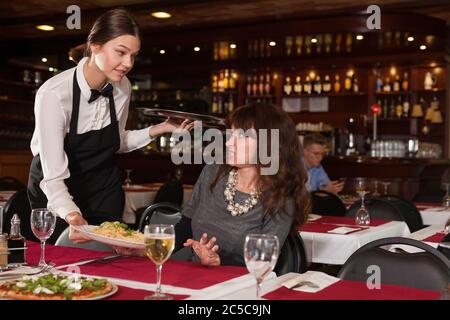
(87, 230)
(115, 288)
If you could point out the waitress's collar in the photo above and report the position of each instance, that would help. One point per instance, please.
(82, 83)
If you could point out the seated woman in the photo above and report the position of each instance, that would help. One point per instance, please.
(232, 200)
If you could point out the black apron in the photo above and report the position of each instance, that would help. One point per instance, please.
(95, 181)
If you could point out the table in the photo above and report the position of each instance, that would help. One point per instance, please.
(322, 246)
(433, 214)
(341, 290)
(139, 196)
(431, 235)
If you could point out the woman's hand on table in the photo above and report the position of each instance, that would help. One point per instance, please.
(75, 219)
(206, 250)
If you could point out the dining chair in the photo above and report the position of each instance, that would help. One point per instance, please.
(292, 257)
(412, 216)
(11, 183)
(327, 204)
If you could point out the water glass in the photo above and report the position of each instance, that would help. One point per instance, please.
(43, 223)
(261, 254)
(446, 198)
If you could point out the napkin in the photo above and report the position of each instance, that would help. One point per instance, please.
(320, 279)
(437, 209)
(344, 230)
(313, 217)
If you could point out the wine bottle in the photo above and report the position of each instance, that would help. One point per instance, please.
(249, 85)
(267, 85)
(255, 85)
(405, 82)
(348, 82)
(326, 86)
(317, 85)
(392, 109)
(287, 86)
(261, 85)
(298, 85)
(387, 85)
(379, 83)
(396, 86)
(337, 84)
(399, 107)
(355, 85)
(406, 107)
(307, 87)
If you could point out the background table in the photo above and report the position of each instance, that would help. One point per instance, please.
(433, 214)
(324, 247)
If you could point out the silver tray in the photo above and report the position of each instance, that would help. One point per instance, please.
(206, 120)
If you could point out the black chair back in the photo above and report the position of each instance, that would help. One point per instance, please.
(18, 203)
(292, 257)
(11, 183)
(327, 204)
(378, 209)
(427, 270)
(412, 216)
(163, 212)
(171, 191)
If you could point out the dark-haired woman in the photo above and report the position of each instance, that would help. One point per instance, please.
(232, 200)
(80, 125)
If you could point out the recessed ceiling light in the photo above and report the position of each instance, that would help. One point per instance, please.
(410, 39)
(233, 46)
(45, 27)
(50, 69)
(423, 47)
(44, 59)
(359, 37)
(161, 15)
(272, 43)
(196, 49)
(162, 51)
(314, 40)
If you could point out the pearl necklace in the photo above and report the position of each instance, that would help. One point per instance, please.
(237, 209)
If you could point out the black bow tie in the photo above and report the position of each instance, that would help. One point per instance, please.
(106, 92)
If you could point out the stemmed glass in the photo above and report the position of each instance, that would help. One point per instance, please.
(447, 227)
(260, 254)
(362, 215)
(43, 223)
(159, 244)
(446, 198)
(375, 192)
(386, 186)
(127, 181)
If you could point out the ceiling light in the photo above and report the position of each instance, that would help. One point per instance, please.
(45, 27)
(410, 39)
(196, 49)
(314, 40)
(162, 51)
(233, 46)
(44, 59)
(50, 69)
(423, 47)
(161, 15)
(359, 37)
(272, 43)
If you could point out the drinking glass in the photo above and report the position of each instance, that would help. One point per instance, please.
(128, 179)
(446, 198)
(386, 186)
(159, 244)
(447, 227)
(375, 192)
(362, 215)
(43, 223)
(260, 254)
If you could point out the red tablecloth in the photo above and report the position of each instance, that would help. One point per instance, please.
(125, 293)
(327, 223)
(323, 227)
(437, 237)
(349, 221)
(352, 290)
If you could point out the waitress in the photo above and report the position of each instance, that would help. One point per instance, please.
(81, 115)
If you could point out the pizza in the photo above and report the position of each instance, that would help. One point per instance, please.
(120, 231)
(52, 286)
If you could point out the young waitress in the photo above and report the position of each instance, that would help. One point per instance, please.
(80, 125)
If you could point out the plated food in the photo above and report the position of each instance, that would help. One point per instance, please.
(52, 286)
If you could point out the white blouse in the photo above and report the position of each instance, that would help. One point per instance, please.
(53, 110)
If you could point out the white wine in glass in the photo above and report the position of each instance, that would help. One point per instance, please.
(261, 254)
(159, 244)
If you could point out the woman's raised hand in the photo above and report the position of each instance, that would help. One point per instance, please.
(206, 250)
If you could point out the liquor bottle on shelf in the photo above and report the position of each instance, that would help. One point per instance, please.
(215, 83)
(298, 85)
(216, 51)
(230, 103)
(299, 45)
(399, 107)
(219, 104)
(289, 43)
(392, 108)
(405, 82)
(348, 82)
(287, 86)
(337, 84)
(338, 43)
(317, 87)
(248, 87)
(226, 79)
(308, 44)
(328, 40)
(255, 85)
(267, 85)
(221, 81)
(232, 81)
(349, 42)
(379, 83)
(406, 107)
(215, 105)
(261, 85)
(319, 38)
(387, 85)
(326, 87)
(428, 82)
(396, 85)
(307, 86)
(355, 85)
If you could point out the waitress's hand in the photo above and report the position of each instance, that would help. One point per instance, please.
(205, 250)
(75, 219)
(170, 126)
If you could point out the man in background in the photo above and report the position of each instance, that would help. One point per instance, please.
(313, 152)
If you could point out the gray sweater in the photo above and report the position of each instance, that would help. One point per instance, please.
(208, 213)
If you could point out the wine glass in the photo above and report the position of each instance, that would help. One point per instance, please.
(128, 179)
(446, 198)
(43, 223)
(375, 192)
(386, 186)
(362, 215)
(261, 254)
(447, 227)
(159, 244)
